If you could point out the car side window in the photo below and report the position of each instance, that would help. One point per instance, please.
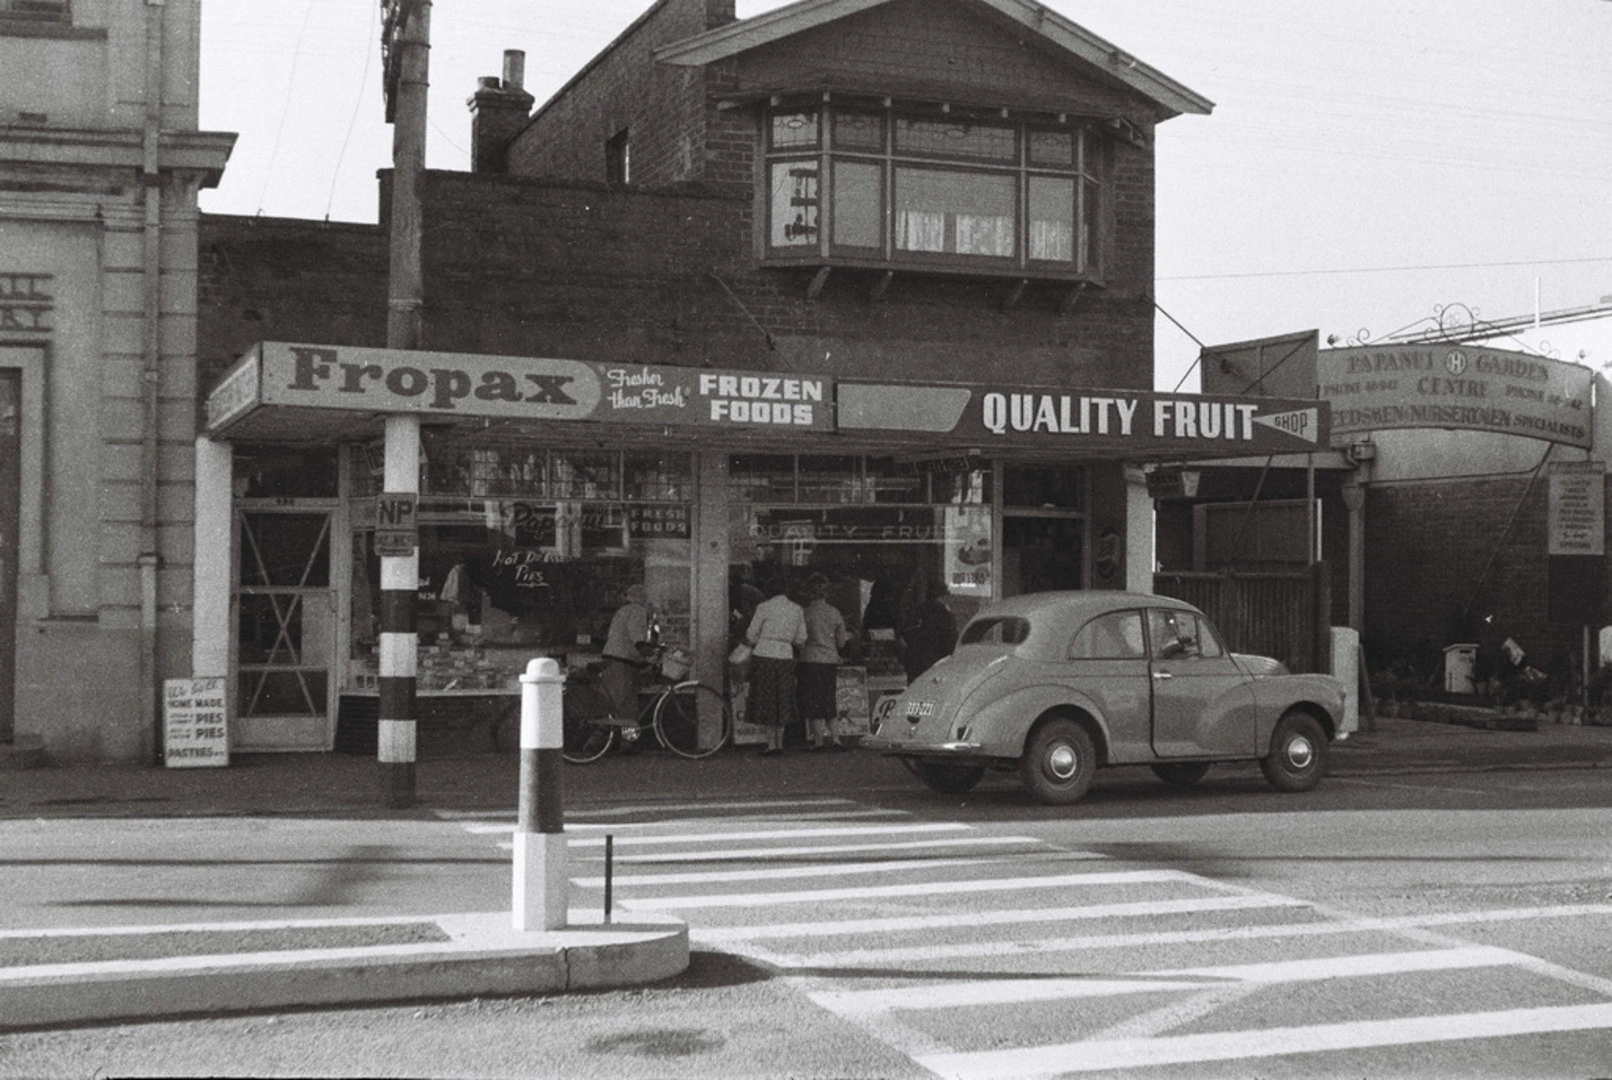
(1173, 634)
(1208, 641)
(1115, 636)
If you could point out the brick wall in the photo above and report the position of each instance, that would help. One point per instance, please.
(1439, 558)
(280, 279)
(533, 267)
(664, 109)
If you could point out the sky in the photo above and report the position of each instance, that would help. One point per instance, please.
(1368, 165)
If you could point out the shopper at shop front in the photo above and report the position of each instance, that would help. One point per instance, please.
(776, 630)
(624, 650)
(930, 635)
(826, 636)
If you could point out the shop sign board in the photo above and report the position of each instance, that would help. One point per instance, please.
(237, 394)
(442, 385)
(194, 730)
(396, 528)
(1577, 508)
(1126, 423)
(1447, 385)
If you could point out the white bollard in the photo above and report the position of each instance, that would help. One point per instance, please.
(542, 881)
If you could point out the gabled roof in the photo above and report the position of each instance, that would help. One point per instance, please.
(747, 34)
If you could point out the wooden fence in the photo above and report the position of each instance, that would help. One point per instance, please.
(1284, 615)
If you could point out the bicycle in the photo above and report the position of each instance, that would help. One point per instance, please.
(670, 706)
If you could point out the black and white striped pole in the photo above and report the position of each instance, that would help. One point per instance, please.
(542, 883)
(398, 640)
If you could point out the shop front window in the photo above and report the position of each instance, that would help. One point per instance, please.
(527, 553)
(883, 532)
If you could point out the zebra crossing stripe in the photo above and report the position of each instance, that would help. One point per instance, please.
(766, 900)
(819, 928)
(769, 834)
(1116, 1054)
(983, 949)
(623, 881)
(1016, 991)
(727, 854)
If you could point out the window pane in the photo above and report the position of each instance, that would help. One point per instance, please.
(794, 130)
(858, 131)
(1043, 486)
(954, 139)
(794, 204)
(1052, 148)
(1052, 218)
(762, 477)
(1089, 208)
(1116, 636)
(857, 203)
(960, 213)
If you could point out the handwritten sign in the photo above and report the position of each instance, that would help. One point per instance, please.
(194, 725)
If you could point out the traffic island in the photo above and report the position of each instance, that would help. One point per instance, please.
(63, 977)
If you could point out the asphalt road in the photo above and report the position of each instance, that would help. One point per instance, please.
(1452, 924)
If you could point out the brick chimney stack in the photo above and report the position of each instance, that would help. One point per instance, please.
(499, 110)
(720, 13)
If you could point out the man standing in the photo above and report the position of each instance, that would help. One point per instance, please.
(623, 657)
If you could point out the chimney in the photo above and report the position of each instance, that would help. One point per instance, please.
(720, 13)
(498, 111)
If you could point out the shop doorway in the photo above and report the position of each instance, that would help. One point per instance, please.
(285, 631)
(1042, 551)
(10, 538)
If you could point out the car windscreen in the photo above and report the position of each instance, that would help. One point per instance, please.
(995, 630)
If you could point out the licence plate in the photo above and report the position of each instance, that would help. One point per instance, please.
(917, 710)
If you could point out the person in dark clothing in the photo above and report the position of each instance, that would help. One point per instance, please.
(930, 634)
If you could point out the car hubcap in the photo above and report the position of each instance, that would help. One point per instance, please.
(1063, 762)
(1300, 753)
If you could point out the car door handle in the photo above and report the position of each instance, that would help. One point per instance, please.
(1162, 675)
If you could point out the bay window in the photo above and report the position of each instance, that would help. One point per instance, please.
(950, 192)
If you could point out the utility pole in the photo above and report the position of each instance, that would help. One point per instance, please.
(406, 52)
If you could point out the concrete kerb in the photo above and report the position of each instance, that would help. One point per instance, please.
(484, 957)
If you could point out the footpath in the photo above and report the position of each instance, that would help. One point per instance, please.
(167, 964)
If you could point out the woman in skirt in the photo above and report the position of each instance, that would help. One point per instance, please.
(776, 630)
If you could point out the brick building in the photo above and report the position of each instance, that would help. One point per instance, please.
(858, 289)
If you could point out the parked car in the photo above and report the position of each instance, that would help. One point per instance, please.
(1058, 684)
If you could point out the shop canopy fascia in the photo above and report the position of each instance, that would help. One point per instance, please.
(308, 394)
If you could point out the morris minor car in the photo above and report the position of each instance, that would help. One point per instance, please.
(1056, 685)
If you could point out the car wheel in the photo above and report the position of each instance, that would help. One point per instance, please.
(1181, 773)
(950, 779)
(1298, 755)
(1059, 762)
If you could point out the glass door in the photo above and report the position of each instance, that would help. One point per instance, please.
(285, 631)
(1042, 551)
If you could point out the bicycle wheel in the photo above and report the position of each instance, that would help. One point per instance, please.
(677, 719)
(587, 732)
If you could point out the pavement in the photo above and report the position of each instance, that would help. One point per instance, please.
(167, 964)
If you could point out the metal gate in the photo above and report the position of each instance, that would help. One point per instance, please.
(1284, 615)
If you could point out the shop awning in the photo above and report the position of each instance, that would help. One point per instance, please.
(313, 394)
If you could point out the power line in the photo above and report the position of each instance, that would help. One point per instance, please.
(1387, 269)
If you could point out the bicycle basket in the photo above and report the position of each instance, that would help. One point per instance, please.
(675, 665)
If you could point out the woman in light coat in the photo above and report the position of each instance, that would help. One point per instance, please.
(777, 629)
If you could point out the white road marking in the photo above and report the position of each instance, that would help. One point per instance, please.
(821, 928)
(1014, 991)
(783, 832)
(977, 950)
(651, 808)
(627, 881)
(662, 823)
(1264, 1043)
(867, 892)
(724, 855)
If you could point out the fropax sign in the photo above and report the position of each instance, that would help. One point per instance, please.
(460, 384)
